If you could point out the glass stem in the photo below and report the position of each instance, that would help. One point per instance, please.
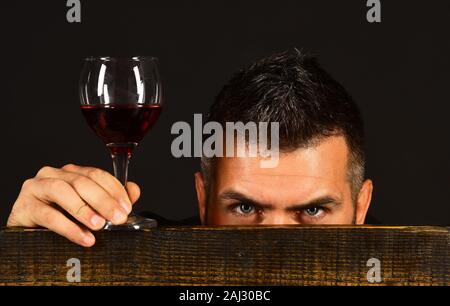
(120, 164)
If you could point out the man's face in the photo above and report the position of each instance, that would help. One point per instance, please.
(309, 186)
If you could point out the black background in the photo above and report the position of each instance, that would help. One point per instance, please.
(397, 71)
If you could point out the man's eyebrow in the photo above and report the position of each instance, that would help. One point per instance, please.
(234, 195)
(322, 201)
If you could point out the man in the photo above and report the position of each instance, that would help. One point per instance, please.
(319, 178)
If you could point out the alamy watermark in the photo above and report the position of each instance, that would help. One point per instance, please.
(73, 275)
(74, 12)
(239, 139)
(374, 273)
(374, 13)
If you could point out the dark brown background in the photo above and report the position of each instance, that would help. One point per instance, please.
(397, 71)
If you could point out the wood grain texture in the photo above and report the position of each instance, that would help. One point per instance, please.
(288, 255)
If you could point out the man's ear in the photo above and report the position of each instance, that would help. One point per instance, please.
(201, 196)
(363, 201)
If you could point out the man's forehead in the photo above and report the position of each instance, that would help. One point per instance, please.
(328, 159)
(303, 174)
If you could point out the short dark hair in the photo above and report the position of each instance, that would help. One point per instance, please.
(292, 89)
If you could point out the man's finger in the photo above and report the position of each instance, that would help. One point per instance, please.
(104, 179)
(89, 191)
(49, 217)
(67, 198)
(134, 192)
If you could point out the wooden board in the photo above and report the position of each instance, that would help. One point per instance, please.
(287, 255)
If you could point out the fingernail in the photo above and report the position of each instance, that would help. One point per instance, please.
(88, 239)
(118, 216)
(126, 206)
(97, 221)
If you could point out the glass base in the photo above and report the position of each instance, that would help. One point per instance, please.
(134, 222)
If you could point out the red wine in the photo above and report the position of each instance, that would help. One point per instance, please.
(121, 126)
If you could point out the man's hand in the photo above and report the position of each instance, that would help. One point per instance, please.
(90, 195)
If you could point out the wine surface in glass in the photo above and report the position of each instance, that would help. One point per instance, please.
(121, 126)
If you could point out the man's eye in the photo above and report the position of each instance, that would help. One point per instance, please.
(313, 211)
(245, 209)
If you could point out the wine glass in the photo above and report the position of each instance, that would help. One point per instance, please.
(121, 100)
